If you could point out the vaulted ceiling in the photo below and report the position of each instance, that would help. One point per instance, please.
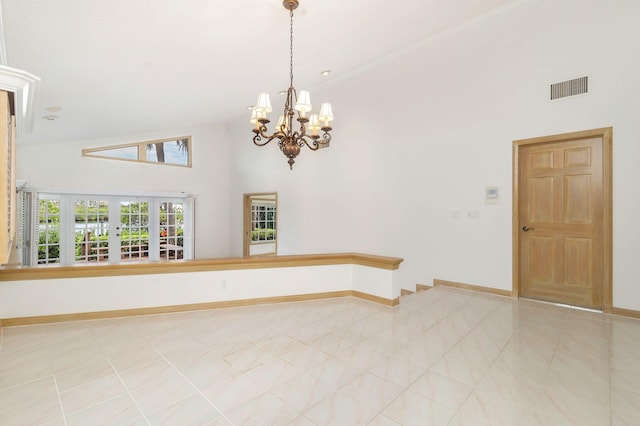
(124, 66)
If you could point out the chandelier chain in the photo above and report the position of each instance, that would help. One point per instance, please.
(291, 47)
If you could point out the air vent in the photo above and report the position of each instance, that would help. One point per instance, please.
(567, 88)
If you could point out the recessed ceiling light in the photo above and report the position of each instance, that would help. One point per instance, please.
(50, 117)
(326, 72)
(54, 109)
(282, 92)
(249, 106)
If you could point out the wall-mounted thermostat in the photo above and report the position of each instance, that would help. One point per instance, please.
(491, 195)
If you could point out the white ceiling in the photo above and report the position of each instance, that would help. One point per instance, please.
(131, 66)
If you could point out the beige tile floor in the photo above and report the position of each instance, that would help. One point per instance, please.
(443, 357)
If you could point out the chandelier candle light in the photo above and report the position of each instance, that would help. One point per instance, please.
(290, 141)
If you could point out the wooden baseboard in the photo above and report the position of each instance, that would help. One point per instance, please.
(472, 287)
(419, 287)
(84, 316)
(607, 309)
(623, 312)
(376, 299)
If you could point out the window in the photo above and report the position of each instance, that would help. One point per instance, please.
(134, 230)
(260, 224)
(171, 230)
(91, 229)
(76, 229)
(263, 221)
(48, 229)
(172, 152)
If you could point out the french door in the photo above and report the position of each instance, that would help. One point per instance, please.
(81, 229)
(113, 229)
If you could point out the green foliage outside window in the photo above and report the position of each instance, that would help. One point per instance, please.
(49, 246)
(264, 234)
(134, 219)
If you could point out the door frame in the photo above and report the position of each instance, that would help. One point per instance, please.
(606, 133)
(246, 219)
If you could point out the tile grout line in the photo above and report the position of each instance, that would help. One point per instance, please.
(144, 416)
(553, 356)
(193, 385)
(406, 388)
(115, 373)
(64, 416)
(53, 375)
(475, 385)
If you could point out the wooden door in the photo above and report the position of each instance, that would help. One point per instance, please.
(7, 178)
(563, 219)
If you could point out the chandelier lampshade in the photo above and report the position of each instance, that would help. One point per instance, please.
(326, 115)
(290, 140)
(303, 105)
(264, 103)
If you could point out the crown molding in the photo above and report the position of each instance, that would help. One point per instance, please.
(26, 87)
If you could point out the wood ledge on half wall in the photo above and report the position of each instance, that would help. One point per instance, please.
(196, 265)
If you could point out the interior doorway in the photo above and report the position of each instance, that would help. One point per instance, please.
(260, 224)
(562, 218)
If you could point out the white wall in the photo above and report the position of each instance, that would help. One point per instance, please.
(417, 137)
(95, 294)
(61, 166)
(420, 135)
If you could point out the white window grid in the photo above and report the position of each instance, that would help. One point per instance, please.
(48, 231)
(171, 230)
(263, 222)
(177, 243)
(134, 229)
(90, 230)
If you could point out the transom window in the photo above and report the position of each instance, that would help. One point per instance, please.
(172, 152)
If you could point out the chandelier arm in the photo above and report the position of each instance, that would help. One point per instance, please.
(299, 138)
(326, 137)
(261, 135)
(311, 144)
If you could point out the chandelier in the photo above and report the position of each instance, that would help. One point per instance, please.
(289, 140)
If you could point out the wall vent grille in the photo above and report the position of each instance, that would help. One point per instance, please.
(567, 88)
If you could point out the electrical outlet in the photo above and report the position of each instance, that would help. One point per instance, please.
(224, 284)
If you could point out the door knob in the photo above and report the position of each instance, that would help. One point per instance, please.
(527, 229)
